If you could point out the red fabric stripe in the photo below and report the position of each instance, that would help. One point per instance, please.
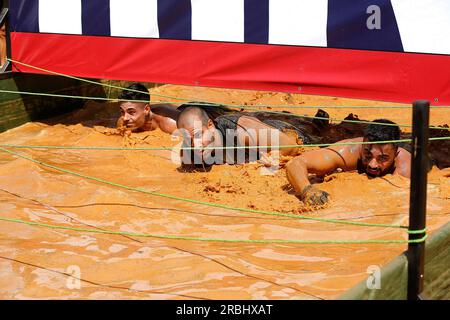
(373, 75)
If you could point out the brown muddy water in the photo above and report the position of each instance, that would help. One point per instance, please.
(36, 262)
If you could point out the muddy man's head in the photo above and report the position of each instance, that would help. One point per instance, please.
(198, 131)
(379, 159)
(134, 111)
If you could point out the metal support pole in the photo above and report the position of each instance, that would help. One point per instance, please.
(418, 197)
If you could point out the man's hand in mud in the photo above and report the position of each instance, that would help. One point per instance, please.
(313, 196)
(270, 159)
(273, 159)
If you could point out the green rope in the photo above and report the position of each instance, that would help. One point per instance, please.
(417, 231)
(53, 95)
(222, 206)
(253, 108)
(210, 148)
(240, 106)
(276, 241)
(209, 102)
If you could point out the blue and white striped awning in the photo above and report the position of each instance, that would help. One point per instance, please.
(405, 25)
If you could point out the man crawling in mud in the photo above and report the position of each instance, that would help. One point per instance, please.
(247, 136)
(373, 159)
(137, 115)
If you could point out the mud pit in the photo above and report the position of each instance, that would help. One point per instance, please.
(35, 261)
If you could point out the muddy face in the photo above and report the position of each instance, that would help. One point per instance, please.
(378, 159)
(200, 136)
(134, 114)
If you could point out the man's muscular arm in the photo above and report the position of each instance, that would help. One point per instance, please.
(320, 162)
(403, 163)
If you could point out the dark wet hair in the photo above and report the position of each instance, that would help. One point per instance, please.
(380, 132)
(133, 95)
(190, 112)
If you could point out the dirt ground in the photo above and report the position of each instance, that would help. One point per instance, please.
(35, 262)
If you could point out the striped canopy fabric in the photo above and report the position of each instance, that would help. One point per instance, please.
(395, 50)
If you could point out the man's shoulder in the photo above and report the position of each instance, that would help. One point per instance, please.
(403, 155)
(165, 110)
(404, 151)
